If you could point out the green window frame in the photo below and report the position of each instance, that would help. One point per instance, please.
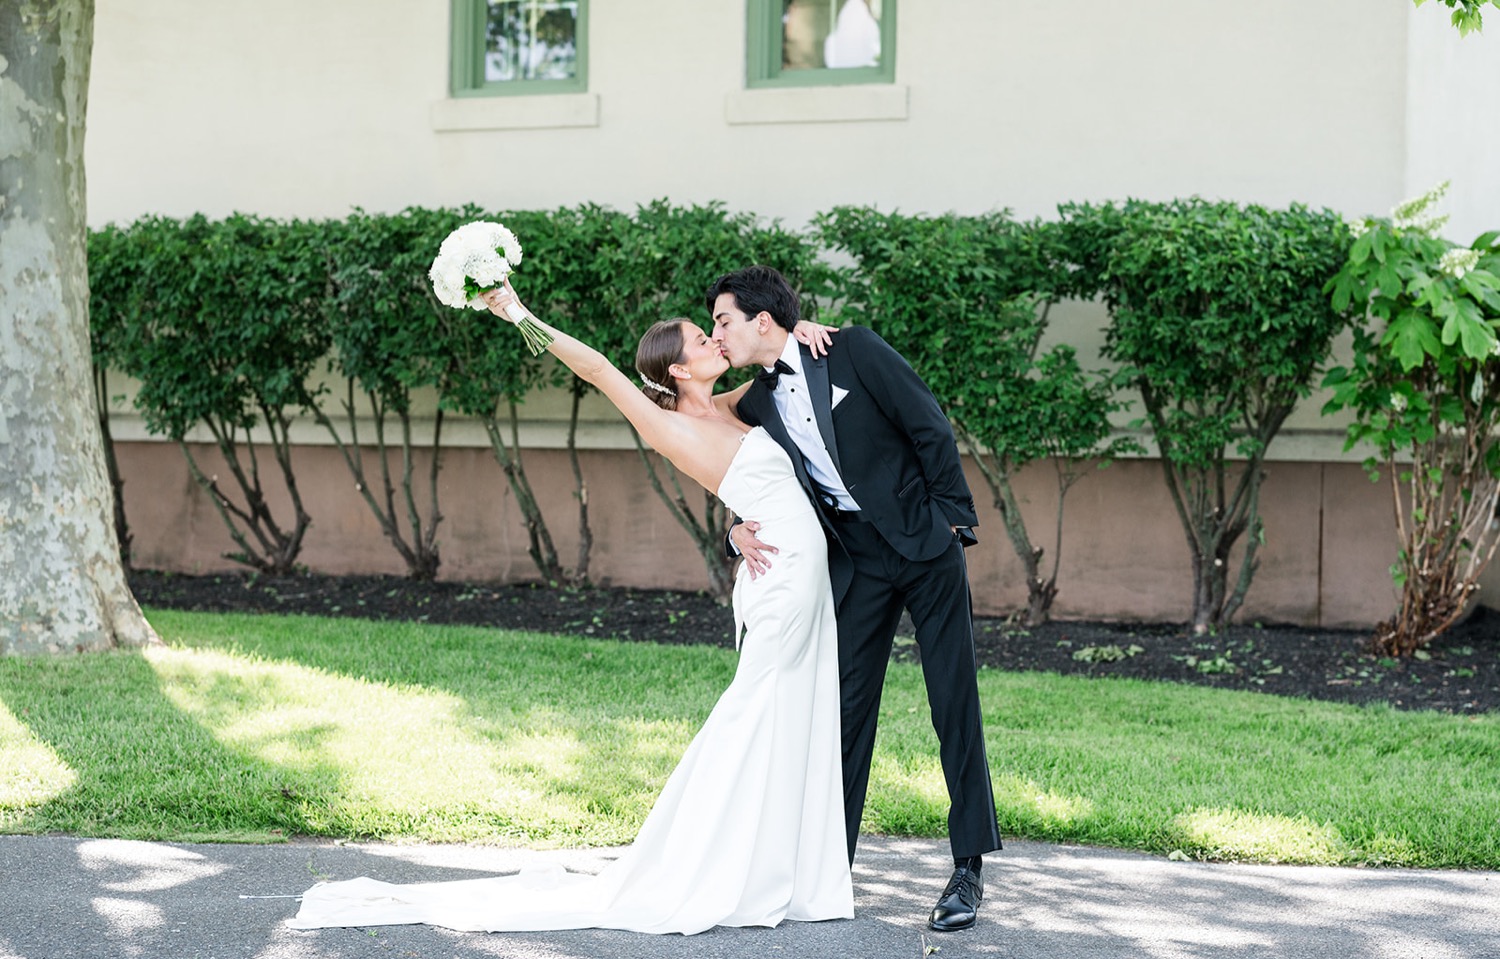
(765, 53)
(466, 74)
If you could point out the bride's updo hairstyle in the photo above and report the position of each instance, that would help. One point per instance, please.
(660, 347)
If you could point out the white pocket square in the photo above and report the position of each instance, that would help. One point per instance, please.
(838, 396)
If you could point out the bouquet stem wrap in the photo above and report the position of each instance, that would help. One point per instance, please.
(536, 338)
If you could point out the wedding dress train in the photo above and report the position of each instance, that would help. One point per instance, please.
(749, 829)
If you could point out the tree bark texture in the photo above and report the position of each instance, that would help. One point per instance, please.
(62, 586)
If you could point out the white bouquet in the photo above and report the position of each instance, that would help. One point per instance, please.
(474, 259)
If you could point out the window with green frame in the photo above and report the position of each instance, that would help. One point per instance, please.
(503, 47)
(798, 43)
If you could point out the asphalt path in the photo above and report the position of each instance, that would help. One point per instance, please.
(67, 898)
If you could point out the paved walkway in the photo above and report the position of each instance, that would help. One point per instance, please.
(64, 898)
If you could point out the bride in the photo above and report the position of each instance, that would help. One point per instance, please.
(749, 829)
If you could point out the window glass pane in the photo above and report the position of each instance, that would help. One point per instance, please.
(531, 40)
(830, 34)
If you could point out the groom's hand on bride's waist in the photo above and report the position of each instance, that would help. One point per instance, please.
(757, 554)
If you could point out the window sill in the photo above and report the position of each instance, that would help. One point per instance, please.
(817, 104)
(515, 113)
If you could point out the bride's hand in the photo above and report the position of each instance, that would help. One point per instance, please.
(504, 303)
(815, 336)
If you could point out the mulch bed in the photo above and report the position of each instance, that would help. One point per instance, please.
(1459, 674)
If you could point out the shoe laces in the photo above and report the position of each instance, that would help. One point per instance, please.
(962, 875)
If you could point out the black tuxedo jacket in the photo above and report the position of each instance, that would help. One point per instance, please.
(889, 440)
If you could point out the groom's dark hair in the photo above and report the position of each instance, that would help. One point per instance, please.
(756, 289)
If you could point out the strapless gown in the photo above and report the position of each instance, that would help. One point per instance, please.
(749, 829)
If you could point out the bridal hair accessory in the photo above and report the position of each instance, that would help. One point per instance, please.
(655, 385)
(474, 259)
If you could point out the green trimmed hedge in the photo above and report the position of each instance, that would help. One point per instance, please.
(226, 322)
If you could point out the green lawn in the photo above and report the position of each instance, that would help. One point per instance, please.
(252, 728)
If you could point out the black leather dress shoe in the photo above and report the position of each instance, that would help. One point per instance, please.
(959, 905)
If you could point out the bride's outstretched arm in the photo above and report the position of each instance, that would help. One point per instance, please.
(657, 427)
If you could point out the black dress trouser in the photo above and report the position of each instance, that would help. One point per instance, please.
(936, 593)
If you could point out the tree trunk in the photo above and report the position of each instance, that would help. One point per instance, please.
(421, 555)
(63, 587)
(1039, 592)
(540, 547)
(580, 575)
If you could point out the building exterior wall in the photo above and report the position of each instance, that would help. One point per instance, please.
(1328, 532)
(287, 109)
(1452, 132)
(293, 109)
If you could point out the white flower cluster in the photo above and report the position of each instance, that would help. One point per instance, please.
(1413, 215)
(475, 257)
(1358, 226)
(1458, 261)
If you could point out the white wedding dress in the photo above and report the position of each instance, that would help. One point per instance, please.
(749, 829)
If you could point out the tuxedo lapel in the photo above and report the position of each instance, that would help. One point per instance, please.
(770, 416)
(770, 420)
(820, 385)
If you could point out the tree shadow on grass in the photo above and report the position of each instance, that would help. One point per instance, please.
(138, 750)
(140, 766)
(483, 735)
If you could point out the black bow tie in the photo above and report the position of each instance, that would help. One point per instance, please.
(773, 376)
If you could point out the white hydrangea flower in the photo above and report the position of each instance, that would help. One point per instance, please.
(1458, 261)
(1358, 226)
(1398, 402)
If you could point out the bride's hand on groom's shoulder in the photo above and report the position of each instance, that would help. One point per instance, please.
(815, 336)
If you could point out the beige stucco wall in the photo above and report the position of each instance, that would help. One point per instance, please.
(1452, 119)
(293, 109)
(289, 108)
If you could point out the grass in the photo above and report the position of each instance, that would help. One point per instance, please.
(255, 728)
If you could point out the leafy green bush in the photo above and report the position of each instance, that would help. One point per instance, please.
(966, 299)
(1218, 319)
(398, 337)
(227, 320)
(1424, 387)
(387, 342)
(224, 322)
(563, 277)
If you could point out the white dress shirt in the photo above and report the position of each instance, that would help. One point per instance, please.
(794, 402)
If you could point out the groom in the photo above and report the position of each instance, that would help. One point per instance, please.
(876, 455)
